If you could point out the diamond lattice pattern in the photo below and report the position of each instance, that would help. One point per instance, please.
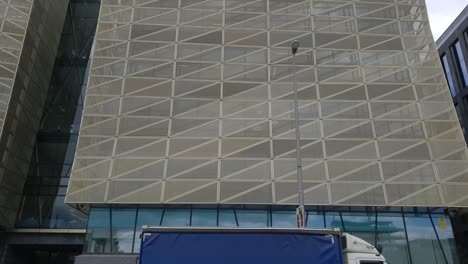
(190, 101)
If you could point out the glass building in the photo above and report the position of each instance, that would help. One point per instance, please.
(184, 116)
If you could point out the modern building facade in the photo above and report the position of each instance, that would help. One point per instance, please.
(188, 121)
(47, 230)
(453, 51)
(219, 98)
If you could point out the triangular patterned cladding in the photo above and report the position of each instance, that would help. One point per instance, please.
(287, 190)
(15, 18)
(195, 98)
(151, 192)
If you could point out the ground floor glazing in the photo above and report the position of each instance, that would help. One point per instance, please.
(408, 235)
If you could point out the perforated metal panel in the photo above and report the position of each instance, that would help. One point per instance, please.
(14, 16)
(190, 101)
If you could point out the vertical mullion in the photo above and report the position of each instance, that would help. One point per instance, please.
(342, 223)
(324, 218)
(110, 230)
(134, 229)
(438, 238)
(162, 216)
(406, 236)
(217, 216)
(270, 215)
(376, 229)
(190, 217)
(235, 217)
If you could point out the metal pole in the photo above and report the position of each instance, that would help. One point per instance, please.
(300, 188)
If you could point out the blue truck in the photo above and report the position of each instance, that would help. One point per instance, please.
(167, 245)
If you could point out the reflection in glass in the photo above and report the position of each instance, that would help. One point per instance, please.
(98, 233)
(64, 216)
(253, 218)
(204, 217)
(444, 230)
(315, 220)
(227, 218)
(391, 236)
(461, 62)
(333, 220)
(448, 74)
(176, 218)
(123, 227)
(283, 219)
(360, 224)
(423, 242)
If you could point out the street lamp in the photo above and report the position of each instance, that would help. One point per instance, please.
(300, 212)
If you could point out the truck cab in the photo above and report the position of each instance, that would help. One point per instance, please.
(358, 251)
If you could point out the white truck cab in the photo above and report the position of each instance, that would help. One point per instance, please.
(358, 251)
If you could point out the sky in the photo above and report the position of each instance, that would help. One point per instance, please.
(442, 13)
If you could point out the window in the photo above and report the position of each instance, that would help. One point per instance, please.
(98, 234)
(391, 237)
(175, 217)
(284, 219)
(204, 218)
(461, 62)
(425, 244)
(448, 74)
(252, 218)
(123, 229)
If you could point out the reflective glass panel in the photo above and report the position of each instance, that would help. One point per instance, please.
(461, 62)
(174, 217)
(333, 220)
(227, 218)
(361, 225)
(98, 234)
(283, 219)
(443, 227)
(253, 218)
(391, 236)
(315, 220)
(448, 74)
(123, 229)
(63, 216)
(204, 218)
(423, 242)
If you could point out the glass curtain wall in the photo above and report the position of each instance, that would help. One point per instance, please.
(43, 198)
(407, 236)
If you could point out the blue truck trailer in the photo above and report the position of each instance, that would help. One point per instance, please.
(167, 245)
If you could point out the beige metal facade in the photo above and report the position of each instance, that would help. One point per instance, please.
(14, 17)
(190, 101)
(29, 37)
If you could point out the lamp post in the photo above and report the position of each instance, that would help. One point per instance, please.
(300, 212)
